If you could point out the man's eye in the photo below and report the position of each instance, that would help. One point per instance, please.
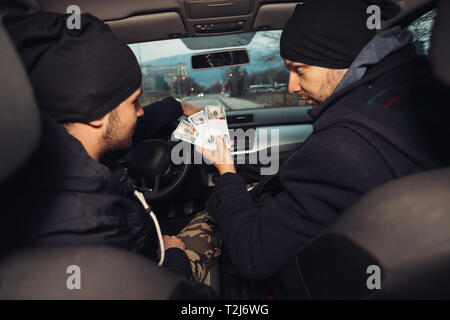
(299, 71)
(138, 102)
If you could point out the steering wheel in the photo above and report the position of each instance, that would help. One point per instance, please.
(150, 161)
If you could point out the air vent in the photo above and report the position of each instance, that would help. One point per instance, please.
(241, 118)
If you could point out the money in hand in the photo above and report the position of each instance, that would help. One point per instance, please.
(204, 127)
(200, 122)
(186, 132)
(217, 124)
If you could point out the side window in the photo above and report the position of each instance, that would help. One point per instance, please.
(421, 29)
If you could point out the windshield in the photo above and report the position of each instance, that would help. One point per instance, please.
(166, 71)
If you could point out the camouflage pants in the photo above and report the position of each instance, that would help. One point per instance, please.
(203, 244)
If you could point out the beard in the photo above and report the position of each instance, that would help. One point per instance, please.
(309, 99)
(329, 85)
(115, 138)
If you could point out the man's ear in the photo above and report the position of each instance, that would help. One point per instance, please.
(99, 122)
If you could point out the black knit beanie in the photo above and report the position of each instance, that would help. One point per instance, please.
(330, 33)
(77, 75)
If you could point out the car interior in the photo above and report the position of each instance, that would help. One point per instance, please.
(401, 226)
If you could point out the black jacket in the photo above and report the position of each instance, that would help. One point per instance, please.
(389, 124)
(65, 197)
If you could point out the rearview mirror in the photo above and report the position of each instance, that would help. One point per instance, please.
(220, 59)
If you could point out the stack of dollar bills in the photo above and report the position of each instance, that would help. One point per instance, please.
(204, 127)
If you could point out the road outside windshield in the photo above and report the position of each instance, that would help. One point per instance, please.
(166, 71)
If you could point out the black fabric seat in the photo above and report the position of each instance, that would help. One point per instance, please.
(20, 121)
(42, 272)
(105, 273)
(402, 227)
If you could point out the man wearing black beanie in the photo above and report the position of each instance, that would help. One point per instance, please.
(377, 115)
(87, 83)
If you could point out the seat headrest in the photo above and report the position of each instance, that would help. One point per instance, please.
(440, 46)
(19, 117)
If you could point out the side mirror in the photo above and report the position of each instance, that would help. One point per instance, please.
(220, 59)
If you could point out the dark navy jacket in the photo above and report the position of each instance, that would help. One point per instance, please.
(64, 197)
(389, 124)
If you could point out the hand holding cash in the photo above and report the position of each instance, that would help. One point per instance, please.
(220, 158)
(204, 127)
(208, 131)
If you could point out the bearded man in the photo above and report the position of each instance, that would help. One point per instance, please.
(377, 115)
(87, 83)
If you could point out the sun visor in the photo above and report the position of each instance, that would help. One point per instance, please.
(149, 27)
(109, 10)
(274, 16)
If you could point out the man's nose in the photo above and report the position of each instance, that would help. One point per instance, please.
(294, 83)
(140, 111)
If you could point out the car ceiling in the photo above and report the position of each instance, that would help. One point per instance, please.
(146, 20)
